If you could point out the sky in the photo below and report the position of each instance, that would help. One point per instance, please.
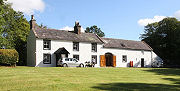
(123, 19)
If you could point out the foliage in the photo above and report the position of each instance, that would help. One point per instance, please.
(96, 30)
(42, 26)
(89, 79)
(14, 29)
(8, 56)
(164, 38)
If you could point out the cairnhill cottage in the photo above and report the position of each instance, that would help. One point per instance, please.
(46, 46)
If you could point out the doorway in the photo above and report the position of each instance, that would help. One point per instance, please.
(109, 59)
(142, 62)
(61, 53)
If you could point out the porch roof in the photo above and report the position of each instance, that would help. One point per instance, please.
(61, 51)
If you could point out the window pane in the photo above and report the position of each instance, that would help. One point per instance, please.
(76, 46)
(76, 57)
(46, 44)
(124, 58)
(94, 59)
(94, 47)
(47, 59)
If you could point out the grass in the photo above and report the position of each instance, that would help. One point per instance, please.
(88, 79)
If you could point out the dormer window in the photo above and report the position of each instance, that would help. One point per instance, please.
(75, 46)
(94, 47)
(122, 45)
(47, 44)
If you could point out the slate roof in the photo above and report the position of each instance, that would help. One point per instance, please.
(90, 37)
(65, 35)
(125, 44)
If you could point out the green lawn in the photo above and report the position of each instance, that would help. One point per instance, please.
(76, 79)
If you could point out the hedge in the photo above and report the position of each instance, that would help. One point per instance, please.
(8, 57)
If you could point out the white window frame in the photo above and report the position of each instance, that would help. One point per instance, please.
(94, 47)
(47, 43)
(49, 59)
(74, 56)
(75, 46)
(94, 56)
(124, 60)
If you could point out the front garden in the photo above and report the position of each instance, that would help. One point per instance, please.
(88, 79)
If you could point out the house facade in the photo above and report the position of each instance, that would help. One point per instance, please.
(46, 46)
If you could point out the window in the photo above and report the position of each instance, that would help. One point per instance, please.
(124, 58)
(46, 44)
(94, 58)
(123, 45)
(76, 46)
(94, 47)
(47, 58)
(76, 57)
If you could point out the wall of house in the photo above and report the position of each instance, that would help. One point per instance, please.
(31, 49)
(156, 60)
(132, 55)
(85, 54)
(84, 51)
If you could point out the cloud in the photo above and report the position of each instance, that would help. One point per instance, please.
(28, 6)
(177, 14)
(67, 28)
(144, 22)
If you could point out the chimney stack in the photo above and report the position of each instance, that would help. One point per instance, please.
(32, 22)
(77, 28)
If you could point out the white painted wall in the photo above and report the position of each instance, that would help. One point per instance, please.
(31, 49)
(156, 60)
(35, 53)
(155, 57)
(132, 55)
(84, 51)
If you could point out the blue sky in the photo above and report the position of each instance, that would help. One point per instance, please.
(122, 19)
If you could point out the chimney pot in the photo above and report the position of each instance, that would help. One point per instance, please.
(76, 23)
(32, 22)
(77, 28)
(32, 17)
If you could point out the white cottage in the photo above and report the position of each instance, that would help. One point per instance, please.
(46, 46)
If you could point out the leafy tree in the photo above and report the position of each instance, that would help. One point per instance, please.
(164, 38)
(42, 26)
(96, 30)
(14, 29)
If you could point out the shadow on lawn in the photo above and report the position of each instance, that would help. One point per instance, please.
(147, 86)
(168, 72)
(165, 71)
(136, 86)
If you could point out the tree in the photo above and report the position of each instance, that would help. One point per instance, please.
(96, 30)
(164, 38)
(43, 26)
(14, 29)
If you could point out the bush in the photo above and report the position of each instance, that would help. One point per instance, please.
(8, 57)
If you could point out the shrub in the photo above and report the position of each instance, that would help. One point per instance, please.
(8, 57)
